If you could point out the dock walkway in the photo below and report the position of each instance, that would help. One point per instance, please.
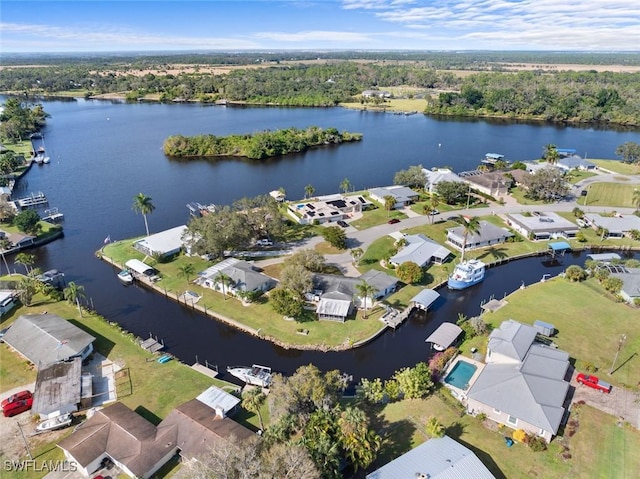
(207, 371)
(152, 344)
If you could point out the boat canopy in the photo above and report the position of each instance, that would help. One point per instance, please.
(425, 298)
(560, 246)
(139, 267)
(445, 335)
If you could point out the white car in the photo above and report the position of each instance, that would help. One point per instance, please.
(264, 242)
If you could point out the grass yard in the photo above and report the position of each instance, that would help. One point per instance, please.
(258, 315)
(376, 217)
(518, 193)
(617, 166)
(22, 147)
(393, 105)
(609, 194)
(589, 323)
(574, 176)
(599, 448)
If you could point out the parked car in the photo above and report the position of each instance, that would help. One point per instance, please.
(581, 223)
(593, 382)
(393, 221)
(19, 396)
(3, 331)
(343, 223)
(434, 212)
(17, 403)
(264, 242)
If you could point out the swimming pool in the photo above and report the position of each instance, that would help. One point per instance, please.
(460, 375)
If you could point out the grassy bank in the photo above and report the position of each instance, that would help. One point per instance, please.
(617, 166)
(609, 194)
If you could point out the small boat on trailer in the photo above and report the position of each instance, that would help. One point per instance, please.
(255, 375)
(125, 276)
(54, 423)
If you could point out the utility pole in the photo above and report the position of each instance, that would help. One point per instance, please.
(26, 444)
(620, 343)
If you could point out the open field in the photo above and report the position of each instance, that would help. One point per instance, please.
(598, 449)
(589, 322)
(609, 194)
(617, 166)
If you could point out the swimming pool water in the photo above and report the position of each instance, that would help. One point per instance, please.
(460, 375)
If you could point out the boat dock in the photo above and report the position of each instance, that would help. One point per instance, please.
(152, 344)
(394, 318)
(52, 215)
(207, 369)
(32, 201)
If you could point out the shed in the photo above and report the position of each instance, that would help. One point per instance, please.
(444, 336)
(221, 402)
(546, 329)
(425, 298)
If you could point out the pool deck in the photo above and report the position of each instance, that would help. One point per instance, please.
(461, 394)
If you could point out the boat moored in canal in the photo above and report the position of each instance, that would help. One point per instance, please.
(255, 375)
(466, 274)
(125, 276)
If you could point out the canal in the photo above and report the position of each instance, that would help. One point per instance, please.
(104, 153)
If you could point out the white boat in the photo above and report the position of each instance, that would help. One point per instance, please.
(466, 274)
(46, 159)
(125, 276)
(255, 375)
(57, 422)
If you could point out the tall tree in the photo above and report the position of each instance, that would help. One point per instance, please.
(186, 270)
(365, 290)
(26, 260)
(629, 152)
(356, 254)
(252, 400)
(389, 203)
(74, 293)
(360, 443)
(5, 244)
(551, 154)
(143, 204)
(636, 198)
(309, 190)
(470, 225)
(225, 281)
(345, 186)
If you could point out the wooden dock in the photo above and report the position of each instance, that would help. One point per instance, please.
(394, 318)
(152, 344)
(33, 200)
(205, 369)
(52, 215)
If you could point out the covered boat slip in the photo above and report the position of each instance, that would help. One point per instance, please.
(444, 336)
(138, 267)
(424, 299)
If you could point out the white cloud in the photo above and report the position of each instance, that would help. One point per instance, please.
(315, 35)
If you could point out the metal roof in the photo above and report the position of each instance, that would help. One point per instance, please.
(603, 256)
(420, 250)
(437, 458)
(445, 335)
(168, 241)
(426, 297)
(57, 386)
(559, 246)
(218, 400)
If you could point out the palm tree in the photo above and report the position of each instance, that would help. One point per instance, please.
(252, 400)
(364, 291)
(345, 186)
(25, 259)
(5, 244)
(471, 225)
(27, 288)
(308, 190)
(389, 203)
(142, 204)
(73, 293)
(225, 281)
(551, 154)
(636, 198)
(430, 207)
(186, 271)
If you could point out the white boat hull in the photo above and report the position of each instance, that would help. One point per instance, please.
(256, 375)
(54, 423)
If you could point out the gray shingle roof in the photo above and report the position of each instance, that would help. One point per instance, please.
(487, 232)
(512, 339)
(378, 279)
(46, 338)
(420, 250)
(437, 458)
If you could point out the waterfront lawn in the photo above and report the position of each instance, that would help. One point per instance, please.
(518, 193)
(609, 194)
(589, 323)
(617, 166)
(21, 148)
(599, 448)
(574, 176)
(375, 217)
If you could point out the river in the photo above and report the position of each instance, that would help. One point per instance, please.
(103, 153)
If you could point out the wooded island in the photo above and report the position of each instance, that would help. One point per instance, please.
(256, 146)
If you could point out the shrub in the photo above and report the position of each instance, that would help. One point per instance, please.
(434, 427)
(613, 285)
(439, 360)
(479, 326)
(537, 444)
(409, 272)
(575, 273)
(481, 417)
(519, 435)
(590, 367)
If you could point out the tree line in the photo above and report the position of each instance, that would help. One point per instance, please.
(258, 145)
(19, 119)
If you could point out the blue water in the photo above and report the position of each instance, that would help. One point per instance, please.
(460, 375)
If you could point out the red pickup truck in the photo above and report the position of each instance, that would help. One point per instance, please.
(593, 382)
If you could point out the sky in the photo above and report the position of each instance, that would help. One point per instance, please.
(227, 25)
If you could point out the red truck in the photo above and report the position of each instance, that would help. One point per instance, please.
(593, 382)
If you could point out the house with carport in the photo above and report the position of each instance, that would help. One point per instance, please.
(630, 278)
(488, 235)
(402, 195)
(420, 250)
(524, 384)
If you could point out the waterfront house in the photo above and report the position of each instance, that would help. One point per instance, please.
(8, 301)
(221, 402)
(520, 177)
(617, 225)
(47, 338)
(488, 234)
(542, 225)
(492, 183)
(376, 93)
(164, 244)
(523, 384)
(420, 250)
(630, 277)
(239, 277)
(436, 458)
(17, 240)
(574, 162)
(438, 175)
(136, 446)
(403, 195)
(326, 209)
(58, 389)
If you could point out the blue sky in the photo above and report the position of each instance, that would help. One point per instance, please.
(77, 26)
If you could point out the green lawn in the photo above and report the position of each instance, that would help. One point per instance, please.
(519, 194)
(599, 448)
(259, 316)
(574, 176)
(23, 147)
(617, 166)
(393, 104)
(376, 217)
(589, 323)
(609, 194)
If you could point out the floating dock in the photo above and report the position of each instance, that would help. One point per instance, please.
(52, 215)
(32, 201)
(205, 369)
(152, 344)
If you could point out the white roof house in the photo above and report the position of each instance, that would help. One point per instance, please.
(403, 195)
(421, 251)
(165, 243)
(542, 226)
(437, 458)
(488, 234)
(57, 390)
(438, 176)
(243, 275)
(617, 226)
(523, 384)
